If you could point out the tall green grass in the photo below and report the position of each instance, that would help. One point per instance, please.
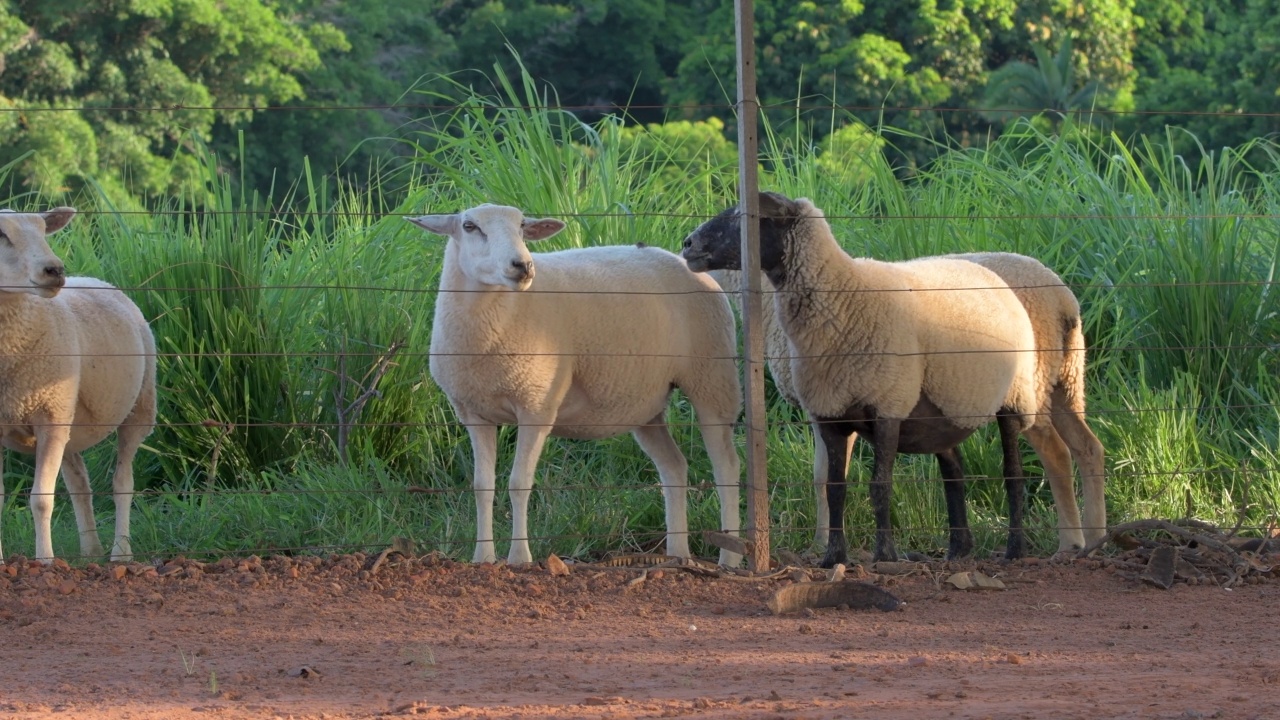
(271, 324)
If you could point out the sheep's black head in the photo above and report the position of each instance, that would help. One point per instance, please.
(717, 245)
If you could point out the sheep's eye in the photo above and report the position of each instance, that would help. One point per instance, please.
(5, 239)
(470, 226)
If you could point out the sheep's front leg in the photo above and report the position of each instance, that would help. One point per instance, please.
(76, 476)
(960, 543)
(885, 439)
(529, 441)
(835, 439)
(673, 469)
(822, 514)
(484, 451)
(51, 440)
(1014, 483)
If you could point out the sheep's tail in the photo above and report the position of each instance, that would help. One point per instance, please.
(1071, 378)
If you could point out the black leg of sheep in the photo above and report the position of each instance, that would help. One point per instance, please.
(961, 538)
(835, 436)
(1014, 483)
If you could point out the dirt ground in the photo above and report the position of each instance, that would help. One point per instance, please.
(427, 637)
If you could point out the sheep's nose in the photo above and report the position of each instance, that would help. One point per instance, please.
(523, 268)
(688, 243)
(56, 271)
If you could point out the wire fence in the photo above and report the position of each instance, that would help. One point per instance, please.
(548, 487)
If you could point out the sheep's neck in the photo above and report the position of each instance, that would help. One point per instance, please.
(469, 313)
(17, 311)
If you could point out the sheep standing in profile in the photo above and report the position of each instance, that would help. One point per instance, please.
(585, 343)
(913, 356)
(77, 362)
(1060, 362)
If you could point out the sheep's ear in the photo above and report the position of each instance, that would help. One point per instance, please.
(57, 218)
(438, 224)
(541, 229)
(776, 205)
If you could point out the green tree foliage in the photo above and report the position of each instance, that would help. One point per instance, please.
(595, 52)
(383, 50)
(1218, 59)
(866, 54)
(109, 89)
(1019, 89)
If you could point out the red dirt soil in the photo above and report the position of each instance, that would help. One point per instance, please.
(427, 637)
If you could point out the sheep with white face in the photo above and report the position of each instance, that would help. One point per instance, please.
(77, 362)
(586, 343)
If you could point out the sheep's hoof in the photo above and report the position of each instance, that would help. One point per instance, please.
(833, 558)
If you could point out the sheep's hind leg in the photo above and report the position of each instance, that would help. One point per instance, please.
(960, 542)
(1056, 459)
(76, 475)
(1088, 454)
(529, 441)
(835, 437)
(484, 452)
(1014, 483)
(135, 428)
(656, 441)
(717, 434)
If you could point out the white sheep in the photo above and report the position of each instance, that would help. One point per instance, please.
(914, 356)
(1060, 362)
(78, 362)
(585, 343)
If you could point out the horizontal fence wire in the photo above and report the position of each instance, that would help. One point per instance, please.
(233, 424)
(614, 107)
(666, 293)
(548, 487)
(196, 212)
(646, 538)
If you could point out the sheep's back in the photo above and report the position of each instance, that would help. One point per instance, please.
(622, 324)
(1055, 318)
(977, 339)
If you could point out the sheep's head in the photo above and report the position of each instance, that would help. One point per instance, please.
(27, 265)
(717, 243)
(490, 242)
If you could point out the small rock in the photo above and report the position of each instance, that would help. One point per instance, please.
(67, 587)
(917, 661)
(556, 566)
(119, 571)
(1013, 659)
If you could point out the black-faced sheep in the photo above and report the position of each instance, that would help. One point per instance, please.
(1060, 362)
(914, 356)
(77, 362)
(585, 343)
